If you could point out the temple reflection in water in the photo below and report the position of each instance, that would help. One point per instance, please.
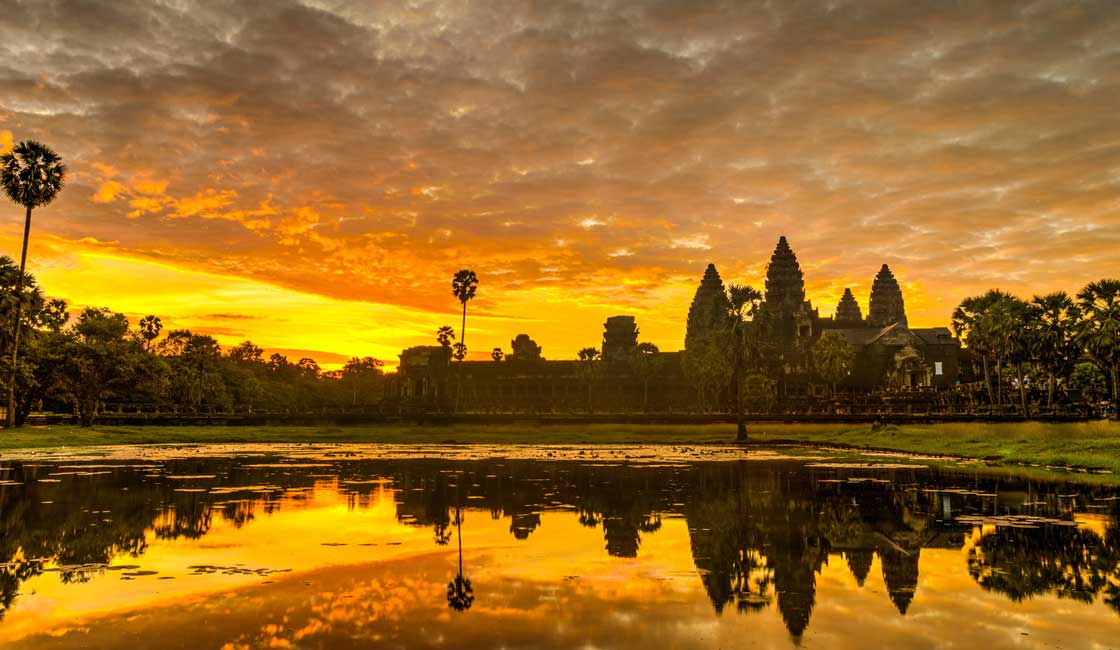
(759, 533)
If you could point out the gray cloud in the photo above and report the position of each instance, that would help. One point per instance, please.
(387, 143)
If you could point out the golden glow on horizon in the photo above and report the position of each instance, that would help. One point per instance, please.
(233, 309)
(969, 154)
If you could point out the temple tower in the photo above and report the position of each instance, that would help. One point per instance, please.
(620, 338)
(847, 311)
(785, 284)
(707, 308)
(886, 306)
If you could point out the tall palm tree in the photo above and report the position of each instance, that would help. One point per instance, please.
(464, 285)
(972, 322)
(1052, 324)
(1006, 319)
(646, 363)
(1099, 333)
(743, 305)
(32, 175)
(589, 368)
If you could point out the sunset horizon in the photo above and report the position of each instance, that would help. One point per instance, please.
(553, 324)
(315, 198)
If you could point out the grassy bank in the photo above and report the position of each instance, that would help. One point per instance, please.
(1088, 444)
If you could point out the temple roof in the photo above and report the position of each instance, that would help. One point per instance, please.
(886, 305)
(847, 309)
(785, 284)
(706, 306)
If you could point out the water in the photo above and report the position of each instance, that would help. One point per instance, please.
(234, 548)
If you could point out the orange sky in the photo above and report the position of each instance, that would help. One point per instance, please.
(310, 176)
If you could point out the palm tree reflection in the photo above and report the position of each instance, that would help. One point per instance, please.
(460, 594)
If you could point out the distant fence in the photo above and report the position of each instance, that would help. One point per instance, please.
(343, 418)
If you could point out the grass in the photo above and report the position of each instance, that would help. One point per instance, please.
(1086, 444)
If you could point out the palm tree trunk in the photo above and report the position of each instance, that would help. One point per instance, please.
(1023, 391)
(999, 382)
(988, 382)
(459, 366)
(1115, 393)
(459, 535)
(10, 422)
(1050, 391)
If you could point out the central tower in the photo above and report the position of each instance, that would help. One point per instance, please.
(785, 284)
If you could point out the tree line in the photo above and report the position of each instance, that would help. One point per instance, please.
(1048, 342)
(80, 363)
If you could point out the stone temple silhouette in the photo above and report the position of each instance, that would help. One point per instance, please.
(889, 354)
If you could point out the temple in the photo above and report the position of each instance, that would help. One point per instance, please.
(889, 357)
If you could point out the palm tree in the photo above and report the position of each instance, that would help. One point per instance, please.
(463, 286)
(1099, 333)
(646, 363)
(150, 327)
(444, 335)
(1011, 337)
(589, 370)
(743, 305)
(833, 357)
(32, 175)
(1052, 324)
(972, 323)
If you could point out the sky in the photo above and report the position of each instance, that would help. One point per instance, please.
(310, 175)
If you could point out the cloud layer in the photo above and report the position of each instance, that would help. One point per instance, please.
(584, 156)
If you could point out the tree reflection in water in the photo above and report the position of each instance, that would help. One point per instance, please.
(460, 593)
(759, 533)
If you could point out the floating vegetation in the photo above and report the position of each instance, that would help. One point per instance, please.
(286, 465)
(244, 488)
(839, 465)
(1014, 521)
(72, 568)
(209, 569)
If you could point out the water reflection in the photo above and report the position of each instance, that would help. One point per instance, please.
(759, 535)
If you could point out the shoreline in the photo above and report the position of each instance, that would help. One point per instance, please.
(1091, 448)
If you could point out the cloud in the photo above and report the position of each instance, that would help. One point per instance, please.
(966, 146)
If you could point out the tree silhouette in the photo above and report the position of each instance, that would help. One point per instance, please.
(150, 327)
(833, 357)
(646, 363)
(1052, 327)
(464, 285)
(445, 335)
(972, 323)
(496, 354)
(590, 369)
(1099, 333)
(32, 175)
(460, 593)
(1011, 339)
(742, 331)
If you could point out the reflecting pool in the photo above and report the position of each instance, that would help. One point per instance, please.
(233, 548)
